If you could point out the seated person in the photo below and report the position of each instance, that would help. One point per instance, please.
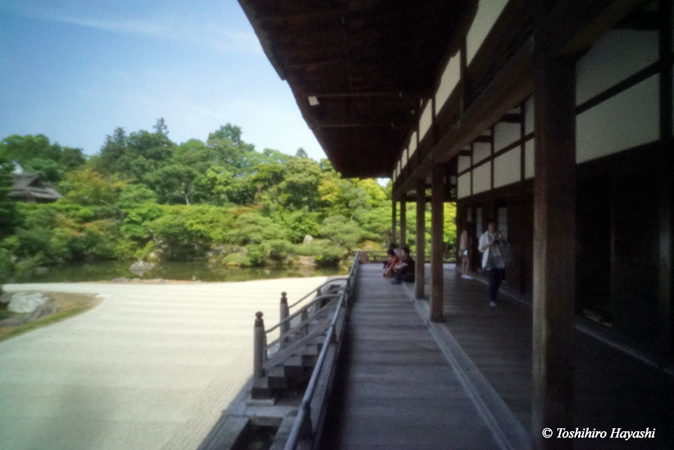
(390, 263)
(405, 269)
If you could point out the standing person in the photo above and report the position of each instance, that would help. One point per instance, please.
(493, 261)
(464, 253)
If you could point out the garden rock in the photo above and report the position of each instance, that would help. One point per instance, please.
(26, 302)
(308, 239)
(44, 310)
(6, 297)
(13, 321)
(140, 268)
(307, 261)
(120, 280)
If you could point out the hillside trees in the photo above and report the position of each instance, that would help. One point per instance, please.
(37, 154)
(144, 196)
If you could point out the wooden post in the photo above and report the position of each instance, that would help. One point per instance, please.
(284, 313)
(437, 241)
(258, 347)
(554, 247)
(403, 222)
(304, 317)
(666, 186)
(393, 222)
(421, 239)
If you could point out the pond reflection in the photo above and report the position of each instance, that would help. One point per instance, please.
(190, 270)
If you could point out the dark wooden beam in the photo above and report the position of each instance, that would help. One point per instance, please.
(511, 118)
(360, 125)
(391, 93)
(554, 246)
(484, 139)
(437, 241)
(403, 221)
(573, 25)
(309, 13)
(394, 217)
(419, 291)
(641, 21)
(666, 169)
(508, 89)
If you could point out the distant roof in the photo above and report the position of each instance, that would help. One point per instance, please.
(357, 69)
(30, 185)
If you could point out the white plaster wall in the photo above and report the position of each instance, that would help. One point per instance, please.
(463, 163)
(426, 120)
(622, 122)
(505, 134)
(529, 158)
(413, 143)
(529, 115)
(404, 158)
(482, 178)
(488, 11)
(448, 81)
(481, 151)
(507, 168)
(614, 57)
(463, 187)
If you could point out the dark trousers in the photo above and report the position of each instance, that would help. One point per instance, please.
(495, 278)
(401, 276)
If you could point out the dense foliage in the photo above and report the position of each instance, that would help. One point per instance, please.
(145, 197)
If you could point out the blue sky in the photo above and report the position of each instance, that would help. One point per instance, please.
(74, 70)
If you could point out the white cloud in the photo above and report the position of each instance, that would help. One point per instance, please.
(175, 27)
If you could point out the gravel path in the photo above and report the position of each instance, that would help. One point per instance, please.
(152, 367)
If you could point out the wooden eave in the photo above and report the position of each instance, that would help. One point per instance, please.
(368, 63)
(570, 28)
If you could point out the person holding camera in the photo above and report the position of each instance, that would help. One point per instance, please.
(493, 261)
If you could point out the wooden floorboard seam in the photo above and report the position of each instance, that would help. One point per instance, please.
(506, 429)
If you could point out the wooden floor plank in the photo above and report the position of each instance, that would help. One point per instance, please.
(397, 390)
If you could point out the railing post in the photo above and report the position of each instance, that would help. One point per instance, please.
(306, 431)
(258, 347)
(303, 318)
(285, 312)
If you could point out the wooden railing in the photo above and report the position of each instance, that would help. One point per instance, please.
(310, 416)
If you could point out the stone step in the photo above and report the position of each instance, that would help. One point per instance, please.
(261, 389)
(294, 367)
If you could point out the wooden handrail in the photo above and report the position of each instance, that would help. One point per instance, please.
(303, 418)
(304, 308)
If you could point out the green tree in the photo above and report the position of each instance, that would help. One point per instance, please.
(343, 232)
(9, 216)
(37, 154)
(299, 188)
(90, 188)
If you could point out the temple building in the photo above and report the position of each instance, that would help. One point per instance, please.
(554, 117)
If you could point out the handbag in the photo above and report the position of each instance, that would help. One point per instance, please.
(506, 251)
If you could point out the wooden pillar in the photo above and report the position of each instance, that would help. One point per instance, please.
(394, 230)
(437, 241)
(666, 168)
(403, 222)
(421, 239)
(554, 246)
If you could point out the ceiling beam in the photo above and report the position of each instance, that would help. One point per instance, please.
(318, 126)
(386, 93)
(310, 13)
(511, 118)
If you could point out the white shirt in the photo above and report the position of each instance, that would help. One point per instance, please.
(485, 239)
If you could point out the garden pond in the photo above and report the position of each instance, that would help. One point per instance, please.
(190, 270)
